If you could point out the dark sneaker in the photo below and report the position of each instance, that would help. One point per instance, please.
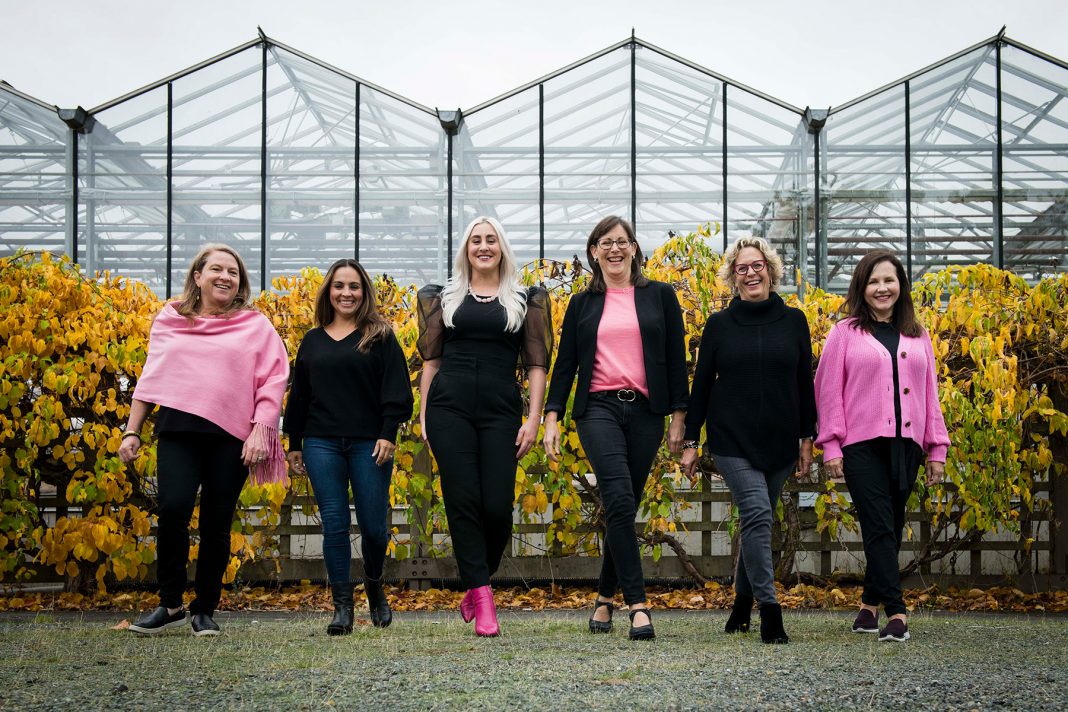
(204, 625)
(896, 631)
(157, 621)
(866, 622)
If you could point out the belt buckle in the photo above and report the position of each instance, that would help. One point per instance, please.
(626, 395)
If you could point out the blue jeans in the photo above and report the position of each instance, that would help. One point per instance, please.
(333, 464)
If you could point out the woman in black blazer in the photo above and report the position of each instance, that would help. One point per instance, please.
(624, 338)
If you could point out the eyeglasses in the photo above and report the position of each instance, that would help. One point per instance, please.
(757, 266)
(606, 244)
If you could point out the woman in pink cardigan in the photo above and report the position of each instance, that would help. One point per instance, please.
(877, 399)
(217, 369)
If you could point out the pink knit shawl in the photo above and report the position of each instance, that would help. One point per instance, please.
(231, 370)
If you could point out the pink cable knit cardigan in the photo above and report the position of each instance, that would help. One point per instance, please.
(231, 370)
(854, 392)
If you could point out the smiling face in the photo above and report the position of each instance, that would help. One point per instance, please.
(484, 250)
(346, 292)
(882, 290)
(614, 253)
(751, 277)
(218, 281)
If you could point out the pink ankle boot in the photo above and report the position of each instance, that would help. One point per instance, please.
(467, 606)
(485, 612)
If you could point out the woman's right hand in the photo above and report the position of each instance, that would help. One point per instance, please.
(689, 461)
(835, 470)
(296, 461)
(422, 426)
(128, 448)
(551, 438)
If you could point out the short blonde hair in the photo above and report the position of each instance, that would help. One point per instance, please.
(771, 256)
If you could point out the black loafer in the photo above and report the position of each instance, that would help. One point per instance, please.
(204, 625)
(644, 632)
(602, 626)
(157, 621)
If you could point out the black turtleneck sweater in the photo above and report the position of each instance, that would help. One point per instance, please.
(752, 387)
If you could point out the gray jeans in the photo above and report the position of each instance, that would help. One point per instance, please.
(755, 493)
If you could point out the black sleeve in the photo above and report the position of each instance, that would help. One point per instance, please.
(299, 400)
(396, 395)
(431, 341)
(567, 357)
(675, 330)
(806, 390)
(538, 330)
(703, 377)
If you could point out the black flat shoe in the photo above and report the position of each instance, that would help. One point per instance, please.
(644, 632)
(203, 625)
(157, 621)
(602, 626)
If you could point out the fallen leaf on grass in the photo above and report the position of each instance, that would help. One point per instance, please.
(121, 625)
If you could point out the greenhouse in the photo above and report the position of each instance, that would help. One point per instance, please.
(297, 163)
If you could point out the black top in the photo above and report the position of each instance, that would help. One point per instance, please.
(663, 348)
(890, 337)
(478, 330)
(753, 382)
(341, 392)
(172, 420)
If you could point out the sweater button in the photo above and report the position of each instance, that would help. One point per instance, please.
(904, 354)
(906, 391)
(908, 423)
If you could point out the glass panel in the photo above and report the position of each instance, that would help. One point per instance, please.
(863, 184)
(1034, 111)
(496, 155)
(587, 151)
(311, 165)
(217, 124)
(403, 191)
(954, 191)
(679, 148)
(34, 183)
(769, 178)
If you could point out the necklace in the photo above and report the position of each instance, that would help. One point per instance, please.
(477, 298)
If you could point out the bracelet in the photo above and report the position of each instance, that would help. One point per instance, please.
(688, 444)
(134, 433)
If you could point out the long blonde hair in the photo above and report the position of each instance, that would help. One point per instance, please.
(190, 300)
(509, 294)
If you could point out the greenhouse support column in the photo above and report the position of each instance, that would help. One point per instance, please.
(724, 161)
(541, 171)
(264, 282)
(633, 136)
(815, 121)
(908, 181)
(170, 185)
(356, 174)
(74, 197)
(999, 228)
(450, 123)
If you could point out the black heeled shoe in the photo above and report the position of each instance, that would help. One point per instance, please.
(771, 628)
(602, 626)
(643, 632)
(741, 614)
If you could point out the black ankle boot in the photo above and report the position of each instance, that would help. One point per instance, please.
(771, 630)
(342, 622)
(741, 614)
(381, 614)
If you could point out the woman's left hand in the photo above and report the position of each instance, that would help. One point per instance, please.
(253, 451)
(804, 459)
(383, 451)
(935, 472)
(676, 430)
(527, 436)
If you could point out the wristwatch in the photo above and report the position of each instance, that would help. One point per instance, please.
(687, 444)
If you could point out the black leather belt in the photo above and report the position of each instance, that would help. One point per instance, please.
(625, 395)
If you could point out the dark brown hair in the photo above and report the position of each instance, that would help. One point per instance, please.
(189, 303)
(368, 318)
(637, 277)
(904, 316)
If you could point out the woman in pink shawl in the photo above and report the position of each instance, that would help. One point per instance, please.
(217, 369)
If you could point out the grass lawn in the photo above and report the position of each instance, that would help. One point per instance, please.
(543, 661)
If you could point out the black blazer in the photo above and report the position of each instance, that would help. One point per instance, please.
(660, 323)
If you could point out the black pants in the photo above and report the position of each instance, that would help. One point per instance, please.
(473, 414)
(621, 440)
(187, 462)
(880, 474)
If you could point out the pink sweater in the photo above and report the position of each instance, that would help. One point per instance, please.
(619, 361)
(854, 392)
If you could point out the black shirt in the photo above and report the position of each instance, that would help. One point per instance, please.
(172, 420)
(341, 392)
(890, 337)
(752, 386)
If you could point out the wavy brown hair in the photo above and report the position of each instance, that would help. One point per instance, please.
(904, 315)
(189, 303)
(637, 277)
(368, 319)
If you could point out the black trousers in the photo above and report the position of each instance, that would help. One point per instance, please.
(473, 414)
(880, 474)
(621, 440)
(187, 462)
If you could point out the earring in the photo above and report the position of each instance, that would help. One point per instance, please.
(196, 297)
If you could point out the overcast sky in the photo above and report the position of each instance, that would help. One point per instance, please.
(461, 53)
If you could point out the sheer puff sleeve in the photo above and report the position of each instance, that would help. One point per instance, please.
(537, 346)
(431, 340)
